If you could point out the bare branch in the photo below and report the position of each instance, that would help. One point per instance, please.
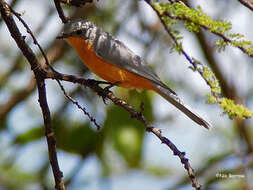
(33, 37)
(77, 3)
(247, 4)
(134, 114)
(60, 11)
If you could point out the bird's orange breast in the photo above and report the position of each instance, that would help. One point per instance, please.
(105, 70)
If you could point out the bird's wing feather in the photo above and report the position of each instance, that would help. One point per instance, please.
(115, 52)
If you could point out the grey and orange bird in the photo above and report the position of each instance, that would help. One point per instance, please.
(113, 61)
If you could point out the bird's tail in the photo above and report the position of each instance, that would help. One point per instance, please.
(172, 97)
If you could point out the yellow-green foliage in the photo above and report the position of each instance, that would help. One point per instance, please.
(207, 75)
(211, 99)
(193, 19)
(246, 45)
(235, 110)
(177, 46)
(211, 79)
(221, 44)
(236, 40)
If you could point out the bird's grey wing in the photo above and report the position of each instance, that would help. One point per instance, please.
(115, 52)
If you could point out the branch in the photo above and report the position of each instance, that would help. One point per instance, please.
(247, 4)
(54, 52)
(227, 89)
(59, 185)
(76, 3)
(207, 166)
(60, 11)
(134, 114)
(39, 75)
(16, 64)
(243, 45)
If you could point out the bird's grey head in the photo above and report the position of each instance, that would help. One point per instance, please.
(76, 28)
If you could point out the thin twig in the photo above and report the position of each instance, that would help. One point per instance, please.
(247, 4)
(92, 119)
(33, 37)
(54, 52)
(16, 63)
(178, 153)
(60, 11)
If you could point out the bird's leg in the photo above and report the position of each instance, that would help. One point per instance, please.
(111, 85)
(97, 82)
(107, 89)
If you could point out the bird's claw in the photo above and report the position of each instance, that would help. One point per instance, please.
(111, 85)
(107, 90)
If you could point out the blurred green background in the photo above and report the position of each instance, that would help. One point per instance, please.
(122, 155)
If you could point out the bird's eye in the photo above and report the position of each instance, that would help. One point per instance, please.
(78, 32)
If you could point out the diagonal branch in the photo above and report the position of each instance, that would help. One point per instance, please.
(247, 4)
(77, 3)
(134, 114)
(60, 11)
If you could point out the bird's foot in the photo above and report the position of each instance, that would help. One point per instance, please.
(111, 85)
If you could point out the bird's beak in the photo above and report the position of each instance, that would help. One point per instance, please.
(62, 36)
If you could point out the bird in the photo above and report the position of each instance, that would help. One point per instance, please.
(113, 61)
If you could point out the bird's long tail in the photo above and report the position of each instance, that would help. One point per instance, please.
(172, 97)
